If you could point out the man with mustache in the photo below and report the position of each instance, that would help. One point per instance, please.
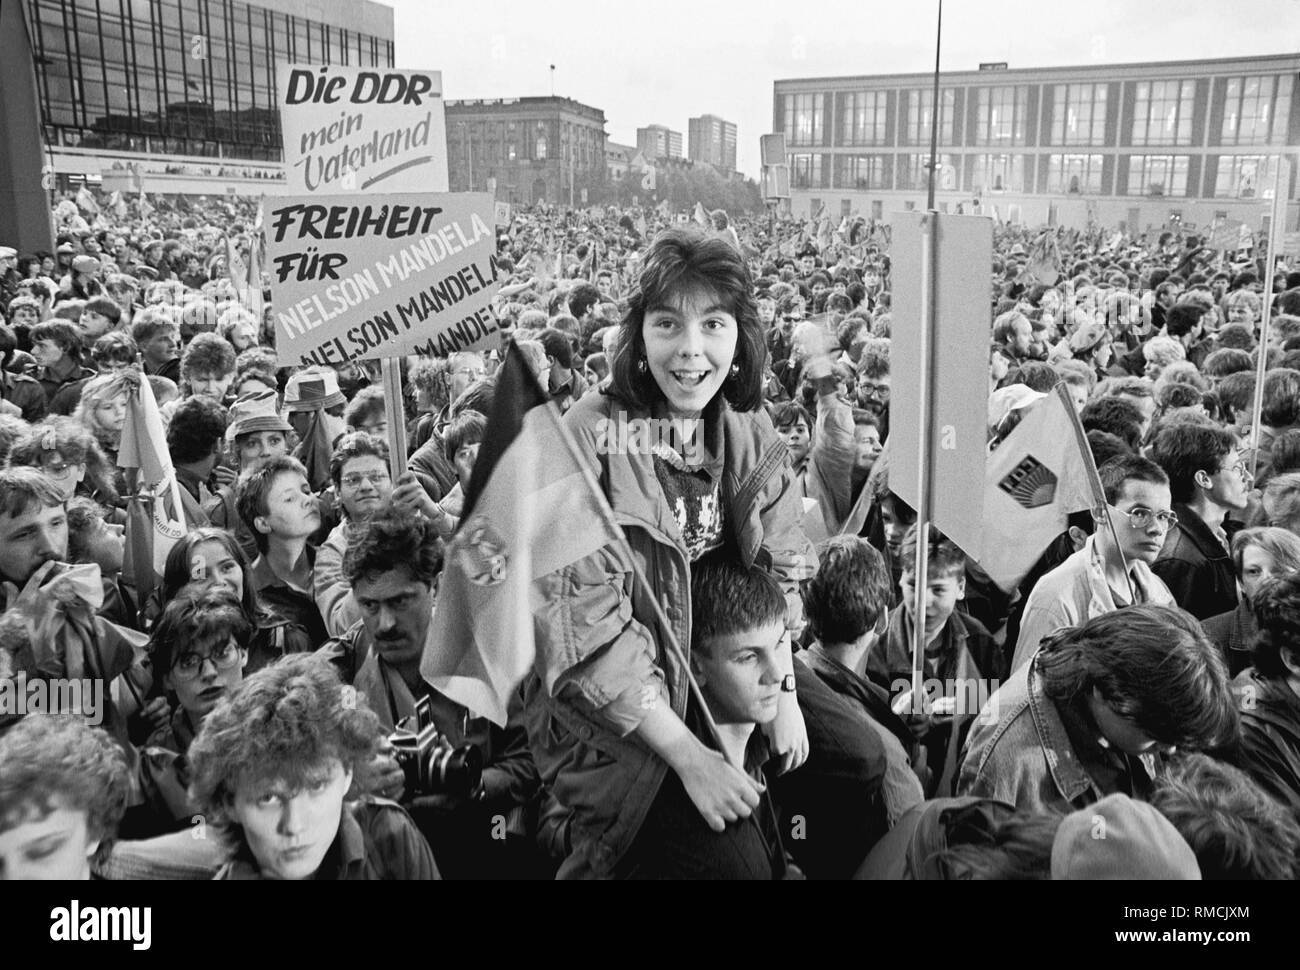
(393, 567)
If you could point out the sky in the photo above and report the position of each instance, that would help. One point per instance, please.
(664, 61)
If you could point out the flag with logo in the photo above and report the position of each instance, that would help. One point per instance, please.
(1040, 473)
(702, 217)
(527, 490)
(155, 518)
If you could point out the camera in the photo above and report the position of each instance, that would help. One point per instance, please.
(432, 765)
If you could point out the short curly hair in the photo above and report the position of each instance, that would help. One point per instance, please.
(207, 354)
(114, 347)
(283, 724)
(391, 538)
(356, 444)
(59, 761)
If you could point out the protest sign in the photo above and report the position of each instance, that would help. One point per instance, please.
(501, 213)
(352, 129)
(1226, 235)
(364, 276)
(958, 387)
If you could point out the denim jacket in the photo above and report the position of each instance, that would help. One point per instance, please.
(600, 661)
(1018, 751)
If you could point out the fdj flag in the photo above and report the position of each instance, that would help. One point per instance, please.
(531, 509)
(156, 520)
(1039, 474)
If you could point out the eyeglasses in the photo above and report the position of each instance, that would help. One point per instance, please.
(188, 666)
(354, 479)
(1140, 518)
(1239, 468)
(469, 372)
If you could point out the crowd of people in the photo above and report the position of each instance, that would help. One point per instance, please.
(259, 711)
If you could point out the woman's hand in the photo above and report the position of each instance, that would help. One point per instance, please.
(788, 734)
(721, 793)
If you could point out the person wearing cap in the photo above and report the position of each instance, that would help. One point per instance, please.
(9, 276)
(1121, 838)
(82, 281)
(1096, 708)
(314, 406)
(1091, 344)
(311, 390)
(64, 255)
(256, 433)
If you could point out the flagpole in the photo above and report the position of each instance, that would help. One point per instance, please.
(929, 295)
(929, 290)
(394, 414)
(643, 586)
(934, 117)
(1094, 480)
(1280, 185)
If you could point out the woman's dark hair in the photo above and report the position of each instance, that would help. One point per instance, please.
(1151, 664)
(466, 428)
(200, 616)
(178, 571)
(678, 261)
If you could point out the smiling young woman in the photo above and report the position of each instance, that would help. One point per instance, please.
(690, 363)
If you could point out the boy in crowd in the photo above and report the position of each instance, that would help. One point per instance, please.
(1113, 569)
(739, 623)
(847, 605)
(1207, 480)
(960, 665)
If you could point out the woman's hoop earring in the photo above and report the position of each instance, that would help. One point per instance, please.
(641, 365)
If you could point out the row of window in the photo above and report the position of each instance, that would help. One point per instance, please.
(1234, 176)
(502, 141)
(1252, 110)
(197, 71)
